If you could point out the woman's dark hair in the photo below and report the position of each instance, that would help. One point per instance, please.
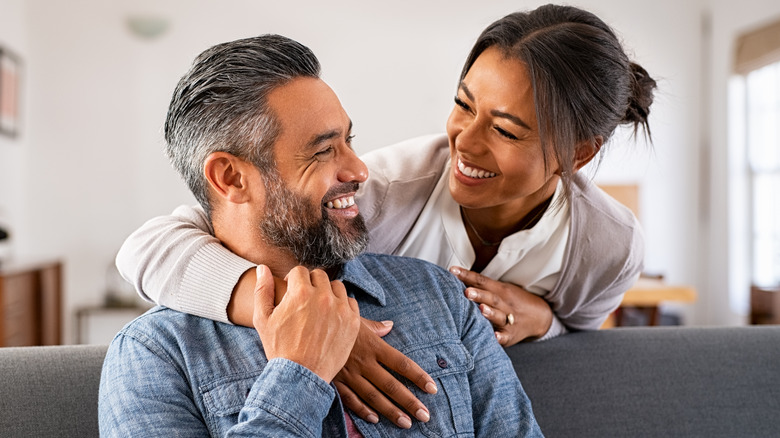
(584, 85)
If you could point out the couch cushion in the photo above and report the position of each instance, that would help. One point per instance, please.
(651, 382)
(50, 391)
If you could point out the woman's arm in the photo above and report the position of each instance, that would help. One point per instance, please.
(175, 261)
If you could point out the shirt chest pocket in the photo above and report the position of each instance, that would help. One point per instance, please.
(449, 364)
(223, 400)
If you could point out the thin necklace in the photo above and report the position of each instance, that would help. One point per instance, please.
(542, 208)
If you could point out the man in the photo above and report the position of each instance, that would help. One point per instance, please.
(264, 145)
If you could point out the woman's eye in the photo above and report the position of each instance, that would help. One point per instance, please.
(350, 138)
(505, 133)
(462, 104)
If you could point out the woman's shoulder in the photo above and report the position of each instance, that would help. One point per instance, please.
(602, 225)
(592, 204)
(415, 158)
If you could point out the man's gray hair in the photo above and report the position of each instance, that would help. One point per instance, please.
(221, 105)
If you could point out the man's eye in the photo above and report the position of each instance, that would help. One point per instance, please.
(323, 153)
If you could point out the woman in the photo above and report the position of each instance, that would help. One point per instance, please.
(498, 200)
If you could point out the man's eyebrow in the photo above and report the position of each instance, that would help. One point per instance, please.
(325, 136)
(496, 113)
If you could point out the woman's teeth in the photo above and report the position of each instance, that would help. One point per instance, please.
(341, 203)
(474, 173)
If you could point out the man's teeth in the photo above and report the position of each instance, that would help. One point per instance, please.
(340, 203)
(474, 173)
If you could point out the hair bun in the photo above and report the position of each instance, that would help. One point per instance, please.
(642, 88)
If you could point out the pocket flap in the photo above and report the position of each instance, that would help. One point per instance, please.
(227, 396)
(441, 358)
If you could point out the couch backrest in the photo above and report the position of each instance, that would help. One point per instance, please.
(627, 382)
(50, 391)
(655, 382)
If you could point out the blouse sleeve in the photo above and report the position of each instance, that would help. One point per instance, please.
(175, 261)
(604, 258)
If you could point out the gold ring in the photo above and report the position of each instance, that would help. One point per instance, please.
(510, 319)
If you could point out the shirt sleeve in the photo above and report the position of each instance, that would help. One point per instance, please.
(604, 259)
(499, 403)
(591, 300)
(176, 261)
(143, 393)
(286, 400)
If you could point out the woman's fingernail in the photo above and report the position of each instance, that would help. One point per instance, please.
(372, 418)
(486, 311)
(455, 270)
(472, 294)
(404, 422)
(387, 323)
(422, 415)
(431, 388)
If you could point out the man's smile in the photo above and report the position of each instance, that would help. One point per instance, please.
(341, 203)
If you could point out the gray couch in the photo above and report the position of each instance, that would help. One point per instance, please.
(632, 382)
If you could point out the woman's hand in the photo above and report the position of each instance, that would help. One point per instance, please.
(515, 313)
(364, 382)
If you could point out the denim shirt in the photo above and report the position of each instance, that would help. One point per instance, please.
(172, 374)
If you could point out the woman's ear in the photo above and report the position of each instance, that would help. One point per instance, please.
(585, 152)
(227, 176)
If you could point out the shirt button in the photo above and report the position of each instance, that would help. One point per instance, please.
(442, 363)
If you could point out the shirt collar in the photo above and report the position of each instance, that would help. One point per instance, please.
(356, 274)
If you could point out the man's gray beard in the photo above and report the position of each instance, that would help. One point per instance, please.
(291, 223)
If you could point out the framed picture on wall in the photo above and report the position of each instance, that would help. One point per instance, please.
(10, 72)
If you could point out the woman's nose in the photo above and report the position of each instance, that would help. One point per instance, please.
(469, 138)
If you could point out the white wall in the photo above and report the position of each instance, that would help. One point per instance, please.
(89, 167)
(13, 156)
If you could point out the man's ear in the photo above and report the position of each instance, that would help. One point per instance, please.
(228, 176)
(586, 150)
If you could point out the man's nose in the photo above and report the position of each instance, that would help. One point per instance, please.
(352, 168)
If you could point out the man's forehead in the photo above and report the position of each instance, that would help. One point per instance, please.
(308, 110)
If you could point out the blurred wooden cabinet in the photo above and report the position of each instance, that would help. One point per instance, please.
(765, 305)
(30, 303)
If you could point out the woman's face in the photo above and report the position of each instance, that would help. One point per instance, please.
(497, 157)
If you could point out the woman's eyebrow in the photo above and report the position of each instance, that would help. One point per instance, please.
(512, 118)
(466, 91)
(496, 113)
